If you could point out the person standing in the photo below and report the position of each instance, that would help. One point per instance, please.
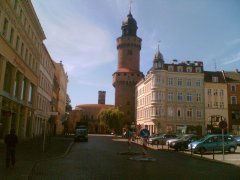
(11, 141)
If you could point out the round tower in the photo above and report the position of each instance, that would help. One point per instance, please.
(128, 71)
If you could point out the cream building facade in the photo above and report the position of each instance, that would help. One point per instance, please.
(21, 36)
(171, 97)
(30, 85)
(216, 100)
(62, 80)
(44, 93)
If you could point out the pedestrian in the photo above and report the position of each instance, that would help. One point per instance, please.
(144, 134)
(129, 135)
(11, 141)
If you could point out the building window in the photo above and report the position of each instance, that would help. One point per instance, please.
(198, 83)
(209, 92)
(179, 113)
(30, 93)
(189, 97)
(189, 82)
(222, 105)
(198, 97)
(221, 92)
(170, 96)
(233, 88)
(170, 68)
(11, 35)
(170, 111)
(180, 69)
(5, 27)
(189, 69)
(179, 82)
(22, 49)
(215, 92)
(189, 112)
(198, 70)
(23, 89)
(179, 96)
(233, 99)
(199, 114)
(215, 79)
(170, 81)
(17, 43)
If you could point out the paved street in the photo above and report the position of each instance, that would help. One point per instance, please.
(99, 159)
(29, 152)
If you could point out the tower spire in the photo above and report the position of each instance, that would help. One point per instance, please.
(130, 6)
(158, 45)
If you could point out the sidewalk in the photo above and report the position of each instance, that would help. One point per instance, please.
(31, 151)
(229, 158)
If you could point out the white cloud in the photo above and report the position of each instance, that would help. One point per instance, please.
(233, 59)
(77, 41)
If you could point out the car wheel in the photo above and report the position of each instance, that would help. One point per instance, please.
(202, 150)
(232, 149)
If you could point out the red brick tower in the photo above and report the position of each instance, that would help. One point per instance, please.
(128, 73)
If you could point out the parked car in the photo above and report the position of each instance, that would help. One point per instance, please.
(182, 144)
(161, 139)
(155, 135)
(237, 138)
(180, 136)
(214, 141)
(81, 134)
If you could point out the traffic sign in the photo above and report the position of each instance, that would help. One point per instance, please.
(144, 133)
(222, 124)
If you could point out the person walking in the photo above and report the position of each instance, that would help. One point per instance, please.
(11, 141)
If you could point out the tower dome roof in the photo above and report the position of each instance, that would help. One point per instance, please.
(130, 21)
(158, 56)
(129, 25)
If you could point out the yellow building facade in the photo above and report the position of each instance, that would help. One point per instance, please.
(21, 37)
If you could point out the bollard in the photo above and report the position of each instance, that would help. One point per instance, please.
(213, 153)
(191, 149)
(157, 144)
(201, 153)
(162, 143)
(168, 145)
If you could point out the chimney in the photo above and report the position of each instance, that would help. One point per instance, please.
(101, 97)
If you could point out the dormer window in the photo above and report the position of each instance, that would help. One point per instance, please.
(170, 68)
(198, 70)
(189, 69)
(215, 79)
(180, 69)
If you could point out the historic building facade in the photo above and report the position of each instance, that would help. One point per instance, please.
(21, 36)
(30, 88)
(233, 95)
(216, 100)
(89, 113)
(171, 97)
(44, 93)
(128, 72)
(62, 80)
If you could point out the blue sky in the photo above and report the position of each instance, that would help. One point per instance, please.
(82, 34)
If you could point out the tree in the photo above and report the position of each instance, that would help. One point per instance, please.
(111, 119)
(68, 104)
